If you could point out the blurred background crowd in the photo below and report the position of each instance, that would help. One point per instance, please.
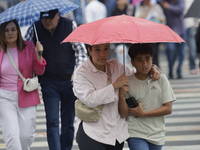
(169, 12)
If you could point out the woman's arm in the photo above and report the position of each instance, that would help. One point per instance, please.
(88, 92)
(154, 73)
(39, 51)
(39, 62)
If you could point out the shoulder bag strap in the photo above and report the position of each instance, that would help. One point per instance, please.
(14, 65)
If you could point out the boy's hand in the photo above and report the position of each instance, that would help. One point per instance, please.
(123, 90)
(154, 73)
(166, 109)
(138, 111)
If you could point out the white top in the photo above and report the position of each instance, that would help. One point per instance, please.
(155, 13)
(189, 21)
(95, 10)
(90, 86)
(151, 96)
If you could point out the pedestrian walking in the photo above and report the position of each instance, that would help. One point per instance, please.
(197, 41)
(17, 106)
(174, 13)
(146, 123)
(190, 24)
(56, 82)
(123, 7)
(97, 82)
(95, 10)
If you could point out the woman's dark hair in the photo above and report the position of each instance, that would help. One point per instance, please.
(88, 46)
(136, 49)
(20, 42)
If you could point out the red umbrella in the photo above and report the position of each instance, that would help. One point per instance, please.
(123, 29)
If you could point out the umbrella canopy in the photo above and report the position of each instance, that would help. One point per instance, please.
(123, 29)
(28, 12)
(194, 10)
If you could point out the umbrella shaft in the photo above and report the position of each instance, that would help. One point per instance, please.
(124, 57)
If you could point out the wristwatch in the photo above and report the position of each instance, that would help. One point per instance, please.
(40, 52)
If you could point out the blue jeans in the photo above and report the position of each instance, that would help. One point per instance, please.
(55, 92)
(173, 50)
(192, 47)
(141, 144)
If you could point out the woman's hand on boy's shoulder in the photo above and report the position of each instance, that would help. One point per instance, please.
(154, 73)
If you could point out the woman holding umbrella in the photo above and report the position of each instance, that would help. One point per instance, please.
(92, 88)
(17, 106)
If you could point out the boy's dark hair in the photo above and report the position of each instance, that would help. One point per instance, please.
(142, 48)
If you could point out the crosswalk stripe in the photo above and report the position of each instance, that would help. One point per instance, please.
(180, 148)
(182, 128)
(182, 138)
(179, 120)
(186, 95)
(182, 106)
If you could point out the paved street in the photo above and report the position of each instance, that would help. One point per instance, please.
(182, 126)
